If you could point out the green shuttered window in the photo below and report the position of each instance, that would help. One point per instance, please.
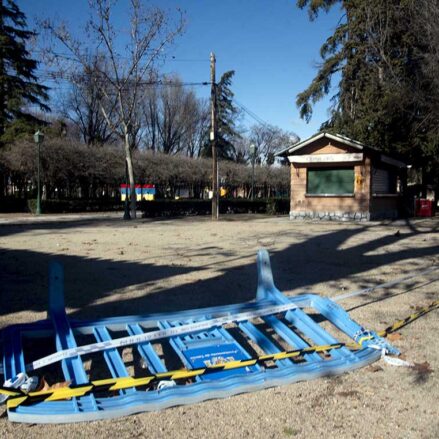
(330, 181)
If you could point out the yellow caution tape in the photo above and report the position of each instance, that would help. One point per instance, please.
(112, 384)
(16, 397)
(412, 317)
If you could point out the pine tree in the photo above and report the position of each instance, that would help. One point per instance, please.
(227, 114)
(18, 81)
(378, 50)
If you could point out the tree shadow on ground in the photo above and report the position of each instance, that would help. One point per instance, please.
(24, 280)
(426, 225)
(320, 258)
(49, 224)
(386, 294)
(15, 226)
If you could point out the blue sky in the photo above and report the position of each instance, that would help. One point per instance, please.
(271, 44)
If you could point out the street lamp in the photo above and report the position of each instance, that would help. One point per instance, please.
(38, 138)
(253, 150)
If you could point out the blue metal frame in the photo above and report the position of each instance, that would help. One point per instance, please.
(218, 385)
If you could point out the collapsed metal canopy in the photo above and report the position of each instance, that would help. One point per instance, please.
(159, 345)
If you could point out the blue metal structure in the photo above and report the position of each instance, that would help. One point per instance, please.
(292, 329)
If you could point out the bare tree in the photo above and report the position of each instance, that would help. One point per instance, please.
(242, 148)
(175, 120)
(121, 81)
(82, 106)
(269, 140)
(150, 113)
(177, 112)
(198, 130)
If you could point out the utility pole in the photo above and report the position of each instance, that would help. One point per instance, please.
(215, 200)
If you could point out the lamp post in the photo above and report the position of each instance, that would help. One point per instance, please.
(253, 150)
(38, 138)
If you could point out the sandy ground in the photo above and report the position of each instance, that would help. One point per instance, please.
(114, 268)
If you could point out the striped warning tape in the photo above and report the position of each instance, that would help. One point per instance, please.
(412, 317)
(113, 384)
(155, 335)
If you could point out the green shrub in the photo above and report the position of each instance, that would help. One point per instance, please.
(76, 206)
(184, 207)
(12, 204)
(278, 206)
(243, 205)
(168, 208)
(150, 209)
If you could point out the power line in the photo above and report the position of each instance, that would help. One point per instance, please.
(259, 119)
(70, 57)
(173, 59)
(252, 114)
(157, 83)
(57, 76)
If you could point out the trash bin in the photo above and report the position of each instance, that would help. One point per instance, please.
(424, 207)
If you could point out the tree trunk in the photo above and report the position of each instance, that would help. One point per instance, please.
(129, 159)
(3, 184)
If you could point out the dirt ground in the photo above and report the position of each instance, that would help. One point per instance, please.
(114, 267)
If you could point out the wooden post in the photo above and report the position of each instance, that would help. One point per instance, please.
(215, 201)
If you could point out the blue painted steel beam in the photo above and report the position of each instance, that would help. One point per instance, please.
(291, 337)
(73, 368)
(13, 358)
(112, 357)
(146, 351)
(263, 342)
(312, 330)
(336, 315)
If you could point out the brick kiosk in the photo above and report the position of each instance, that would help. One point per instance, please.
(336, 178)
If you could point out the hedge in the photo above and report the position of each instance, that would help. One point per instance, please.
(21, 205)
(150, 209)
(76, 206)
(13, 204)
(184, 207)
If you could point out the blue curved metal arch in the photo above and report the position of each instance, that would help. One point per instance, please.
(294, 327)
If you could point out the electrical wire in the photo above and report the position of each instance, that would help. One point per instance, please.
(70, 57)
(253, 115)
(57, 76)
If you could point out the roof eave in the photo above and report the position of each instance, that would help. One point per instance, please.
(338, 138)
(345, 140)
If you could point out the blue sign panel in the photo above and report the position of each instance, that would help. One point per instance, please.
(217, 354)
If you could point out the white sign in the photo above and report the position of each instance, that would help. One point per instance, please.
(326, 158)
